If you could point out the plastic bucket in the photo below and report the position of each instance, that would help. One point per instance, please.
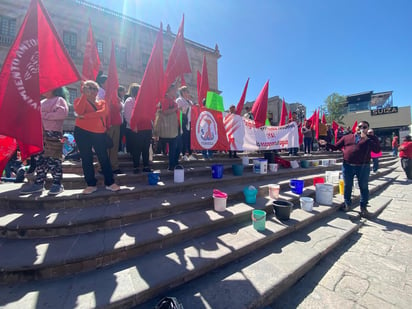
(220, 200)
(237, 169)
(325, 162)
(245, 161)
(332, 177)
(294, 164)
(217, 170)
(153, 178)
(304, 163)
(296, 185)
(260, 166)
(179, 174)
(318, 180)
(341, 186)
(324, 194)
(273, 167)
(274, 190)
(250, 193)
(282, 209)
(259, 219)
(306, 203)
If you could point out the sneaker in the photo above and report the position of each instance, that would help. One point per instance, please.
(56, 189)
(34, 188)
(147, 170)
(365, 213)
(185, 158)
(89, 190)
(192, 158)
(346, 208)
(118, 171)
(113, 187)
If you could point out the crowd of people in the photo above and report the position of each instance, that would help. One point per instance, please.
(104, 129)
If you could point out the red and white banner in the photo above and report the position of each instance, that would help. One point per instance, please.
(225, 131)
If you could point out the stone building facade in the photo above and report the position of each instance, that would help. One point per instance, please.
(133, 40)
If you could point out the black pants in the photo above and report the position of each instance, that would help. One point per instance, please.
(140, 145)
(407, 167)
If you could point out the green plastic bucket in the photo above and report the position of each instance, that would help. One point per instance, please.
(259, 219)
(237, 169)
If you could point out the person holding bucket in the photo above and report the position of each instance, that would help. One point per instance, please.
(356, 150)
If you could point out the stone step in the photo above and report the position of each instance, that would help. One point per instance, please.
(96, 215)
(247, 257)
(51, 257)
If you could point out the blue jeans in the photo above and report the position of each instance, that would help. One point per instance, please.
(394, 152)
(86, 142)
(362, 173)
(307, 144)
(375, 164)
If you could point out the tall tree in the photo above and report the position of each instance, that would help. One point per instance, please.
(334, 107)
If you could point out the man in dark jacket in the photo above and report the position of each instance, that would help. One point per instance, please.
(356, 150)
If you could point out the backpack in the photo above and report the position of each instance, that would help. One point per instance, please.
(168, 303)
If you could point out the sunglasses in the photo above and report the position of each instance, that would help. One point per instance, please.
(363, 127)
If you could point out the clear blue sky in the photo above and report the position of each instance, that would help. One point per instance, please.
(307, 49)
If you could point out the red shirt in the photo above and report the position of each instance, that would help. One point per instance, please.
(406, 151)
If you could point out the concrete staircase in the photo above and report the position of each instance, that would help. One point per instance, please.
(131, 248)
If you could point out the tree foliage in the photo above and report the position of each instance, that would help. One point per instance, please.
(334, 107)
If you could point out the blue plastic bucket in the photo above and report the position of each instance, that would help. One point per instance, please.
(153, 178)
(237, 169)
(296, 185)
(217, 170)
(250, 193)
(259, 219)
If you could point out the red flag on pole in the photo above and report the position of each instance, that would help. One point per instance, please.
(151, 89)
(260, 107)
(335, 128)
(354, 127)
(204, 83)
(91, 59)
(317, 124)
(324, 118)
(283, 114)
(290, 115)
(111, 96)
(242, 99)
(199, 80)
(36, 63)
(178, 62)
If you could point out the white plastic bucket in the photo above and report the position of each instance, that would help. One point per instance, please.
(324, 193)
(220, 203)
(332, 161)
(274, 190)
(245, 161)
(260, 166)
(273, 167)
(179, 174)
(306, 203)
(325, 162)
(332, 177)
(294, 164)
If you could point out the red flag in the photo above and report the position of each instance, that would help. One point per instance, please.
(207, 129)
(312, 118)
(300, 134)
(335, 128)
(324, 118)
(151, 89)
(111, 96)
(260, 107)
(354, 127)
(242, 99)
(290, 115)
(283, 114)
(317, 124)
(91, 59)
(204, 83)
(178, 62)
(199, 80)
(36, 63)
(182, 80)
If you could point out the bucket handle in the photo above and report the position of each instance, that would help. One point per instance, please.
(257, 219)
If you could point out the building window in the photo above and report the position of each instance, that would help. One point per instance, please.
(359, 106)
(72, 94)
(121, 56)
(145, 60)
(7, 30)
(99, 46)
(70, 41)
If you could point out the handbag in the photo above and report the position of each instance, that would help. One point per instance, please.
(107, 139)
(52, 145)
(165, 125)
